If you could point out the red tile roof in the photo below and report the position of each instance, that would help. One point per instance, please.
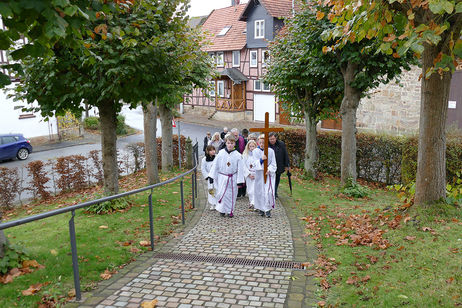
(278, 8)
(235, 38)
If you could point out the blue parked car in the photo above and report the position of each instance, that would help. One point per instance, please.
(14, 145)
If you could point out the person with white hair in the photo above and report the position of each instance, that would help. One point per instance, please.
(216, 142)
(223, 133)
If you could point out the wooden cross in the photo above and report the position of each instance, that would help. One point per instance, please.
(266, 130)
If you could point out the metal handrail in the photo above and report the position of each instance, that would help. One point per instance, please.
(73, 208)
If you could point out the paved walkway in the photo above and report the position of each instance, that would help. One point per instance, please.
(208, 281)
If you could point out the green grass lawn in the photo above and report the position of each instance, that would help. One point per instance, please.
(375, 253)
(104, 242)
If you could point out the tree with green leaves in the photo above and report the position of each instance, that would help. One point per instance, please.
(432, 31)
(124, 59)
(304, 78)
(363, 69)
(43, 23)
(193, 69)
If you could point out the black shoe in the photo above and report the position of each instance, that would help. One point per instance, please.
(276, 196)
(268, 214)
(230, 215)
(222, 214)
(262, 213)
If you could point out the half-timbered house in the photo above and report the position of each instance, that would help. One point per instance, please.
(239, 37)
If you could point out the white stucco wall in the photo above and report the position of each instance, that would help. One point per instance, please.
(31, 127)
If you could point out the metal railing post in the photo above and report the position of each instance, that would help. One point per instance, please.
(193, 191)
(151, 221)
(75, 260)
(182, 201)
(179, 144)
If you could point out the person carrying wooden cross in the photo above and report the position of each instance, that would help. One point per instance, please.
(264, 200)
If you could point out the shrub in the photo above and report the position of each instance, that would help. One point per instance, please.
(175, 151)
(121, 128)
(108, 206)
(91, 123)
(97, 170)
(9, 185)
(39, 179)
(13, 257)
(355, 190)
(71, 171)
(137, 150)
(380, 158)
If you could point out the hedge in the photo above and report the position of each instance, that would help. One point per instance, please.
(379, 158)
(72, 173)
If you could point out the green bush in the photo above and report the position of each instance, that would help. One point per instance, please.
(355, 190)
(121, 128)
(13, 258)
(109, 206)
(91, 123)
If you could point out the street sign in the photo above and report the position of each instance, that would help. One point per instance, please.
(173, 123)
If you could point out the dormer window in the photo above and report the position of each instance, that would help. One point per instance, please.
(259, 29)
(224, 31)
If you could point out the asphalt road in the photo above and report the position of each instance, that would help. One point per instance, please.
(134, 118)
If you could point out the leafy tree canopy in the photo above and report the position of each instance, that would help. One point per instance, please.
(300, 73)
(133, 54)
(401, 26)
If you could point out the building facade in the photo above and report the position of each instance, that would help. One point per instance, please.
(239, 37)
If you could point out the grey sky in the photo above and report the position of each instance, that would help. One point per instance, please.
(204, 7)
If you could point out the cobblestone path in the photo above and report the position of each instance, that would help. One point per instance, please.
(177, 283)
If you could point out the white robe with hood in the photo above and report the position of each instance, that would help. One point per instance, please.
(226, 172)
(264, 192)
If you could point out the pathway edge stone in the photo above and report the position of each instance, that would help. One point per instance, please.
(303, 289)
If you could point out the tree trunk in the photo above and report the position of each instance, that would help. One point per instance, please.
(311, 147)
(348, 110)
(431, 160)
(166, 116)
(150, 143)
(108, 120)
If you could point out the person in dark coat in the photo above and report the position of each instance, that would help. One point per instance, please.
(223, 133)
(282, 158)
(207, 139)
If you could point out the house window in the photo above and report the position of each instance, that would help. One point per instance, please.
(220, 59)
(253, 58)
(212, 91)
(236, 58)
(221, 88)
(224, 31)
(265, 57)
(259, 29)
(257, 85)
(266, 87)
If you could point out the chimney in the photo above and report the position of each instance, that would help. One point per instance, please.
(235, 2)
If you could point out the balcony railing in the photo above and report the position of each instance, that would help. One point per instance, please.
(227, 104)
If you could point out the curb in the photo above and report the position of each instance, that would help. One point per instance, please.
(303, 289)
(106, 288)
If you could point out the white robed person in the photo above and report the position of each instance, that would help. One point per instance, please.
(249, 170)
(264, 192)
(227, 171)
(206, 166)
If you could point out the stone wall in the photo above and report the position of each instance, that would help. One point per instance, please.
(392, 108)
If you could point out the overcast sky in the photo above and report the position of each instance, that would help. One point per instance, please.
(204, 7)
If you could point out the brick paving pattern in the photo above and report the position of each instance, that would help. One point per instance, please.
(177, 283)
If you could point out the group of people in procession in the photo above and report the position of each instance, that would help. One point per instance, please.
(233, 166)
